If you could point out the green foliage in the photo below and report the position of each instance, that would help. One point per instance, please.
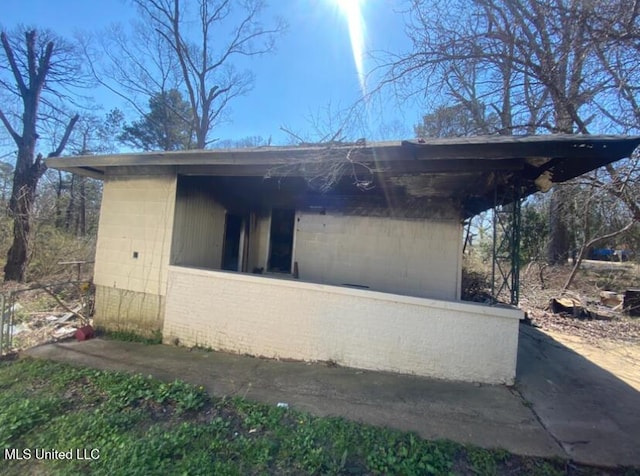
(123, 390)
(457, 121)
(406, 454)
(142, 426)
(202, 348)
(22, 415)
(534, 231)
(130, 336)
(482, 461)
(167, 126)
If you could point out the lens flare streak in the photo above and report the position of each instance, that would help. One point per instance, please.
(353, 14)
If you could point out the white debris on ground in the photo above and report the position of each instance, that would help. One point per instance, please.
(39, 315)
(40, 329)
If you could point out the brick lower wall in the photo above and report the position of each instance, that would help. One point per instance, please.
(275, 318)
(123, 310)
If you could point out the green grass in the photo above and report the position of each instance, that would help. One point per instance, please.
(129, 336)
(144, 426)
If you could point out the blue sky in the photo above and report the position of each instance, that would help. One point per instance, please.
(312, 67)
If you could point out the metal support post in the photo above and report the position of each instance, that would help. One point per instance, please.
(506, 245)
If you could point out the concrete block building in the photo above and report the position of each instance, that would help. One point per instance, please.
(349, 253)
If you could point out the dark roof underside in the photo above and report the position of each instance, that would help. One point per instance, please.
(467, 170)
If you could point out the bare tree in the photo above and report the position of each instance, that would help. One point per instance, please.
(92, 135)
(244, 142)
(614, 30)
(531, 62)
(193, 47)
(37, 73)
(597, 219)
(539, 65)
(136, 66)
(455, 121)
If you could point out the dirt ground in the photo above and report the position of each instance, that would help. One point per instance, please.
(622, 359)
(608, 337)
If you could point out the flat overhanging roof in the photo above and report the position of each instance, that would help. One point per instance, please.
(465, 168)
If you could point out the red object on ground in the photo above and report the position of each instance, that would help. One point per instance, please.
(84, 333)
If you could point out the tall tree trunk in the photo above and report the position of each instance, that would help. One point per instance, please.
(22, 197)
(82, 211)
(29, 84)
(69, 214)
(558, 247)
(58, 205)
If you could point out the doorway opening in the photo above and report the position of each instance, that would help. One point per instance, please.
(281, 240)
(233, 236)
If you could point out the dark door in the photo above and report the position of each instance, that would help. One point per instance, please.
(231, 246)
(281, 241)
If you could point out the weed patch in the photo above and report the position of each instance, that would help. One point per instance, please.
(129, 336)
(143, 426)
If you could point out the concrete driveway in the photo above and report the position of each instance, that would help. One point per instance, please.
(593, 415)
(563, 406)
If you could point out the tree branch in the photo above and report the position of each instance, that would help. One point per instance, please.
(620, 192)
(16, 137)
(588, 244)
(63, 305)
(30, 39)
(65, 137)
(12, 62)
(45, 64)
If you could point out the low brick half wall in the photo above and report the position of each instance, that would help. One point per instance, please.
(274, 318)
(124, 310)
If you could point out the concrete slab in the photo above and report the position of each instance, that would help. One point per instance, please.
(487, 416)
(593, 415)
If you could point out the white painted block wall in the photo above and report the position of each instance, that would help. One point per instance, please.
(198, 232)
(394, 255)
(136, 216)
(275, 318)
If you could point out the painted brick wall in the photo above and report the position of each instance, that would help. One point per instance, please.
(123, 310)
(395, 255)
(273, 318)
(136, 216)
